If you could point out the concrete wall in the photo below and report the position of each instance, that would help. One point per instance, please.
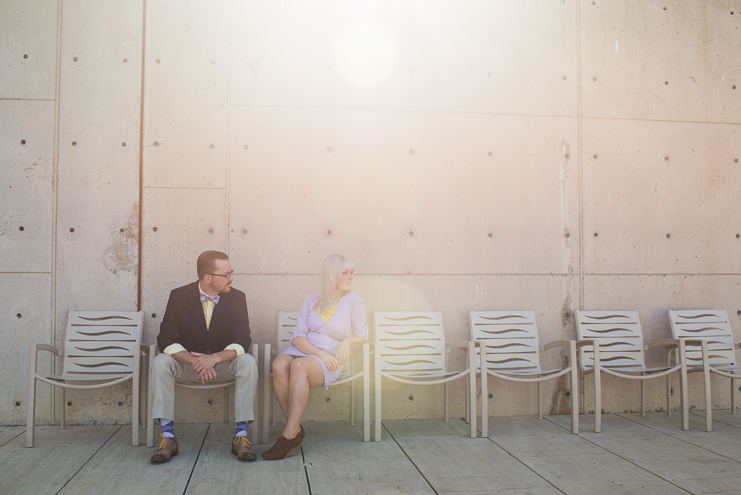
(539, 154)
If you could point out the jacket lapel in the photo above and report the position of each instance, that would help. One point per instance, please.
(194, 299)
(219, 310)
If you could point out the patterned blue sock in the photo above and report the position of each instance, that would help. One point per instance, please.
(168, 429)
(241, 429)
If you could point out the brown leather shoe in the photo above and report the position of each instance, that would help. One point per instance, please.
(242, 448)
(283, 448)
(167, 449)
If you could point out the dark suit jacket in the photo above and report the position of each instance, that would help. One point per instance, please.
(185, 324)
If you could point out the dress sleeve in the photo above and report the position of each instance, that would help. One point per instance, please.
(357, 318)
(302, 325)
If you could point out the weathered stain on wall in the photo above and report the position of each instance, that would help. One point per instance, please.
(123, 252)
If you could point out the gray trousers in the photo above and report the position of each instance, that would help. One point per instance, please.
(167, 370)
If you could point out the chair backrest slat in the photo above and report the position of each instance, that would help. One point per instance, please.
(619, 335)
(411, 343)
(511, 339)
(711, 325)
(101, 342)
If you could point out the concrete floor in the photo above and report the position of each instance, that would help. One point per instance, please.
(523, 455)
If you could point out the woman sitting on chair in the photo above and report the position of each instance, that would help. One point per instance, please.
(330, 322)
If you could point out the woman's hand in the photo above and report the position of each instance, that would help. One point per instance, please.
(343, 352)
(332, 363)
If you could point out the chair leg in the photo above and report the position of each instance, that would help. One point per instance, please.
(135, 397)
(683, 401)
(366, 393)
(31, 398)
(540, 402)
(574, 388)
(669, 384)
(150, 400)
(597, 392)
(467, 404)
(708, 399)
(643, 396)
(62, 410)
(256, 423)
(352, 403)
(445, 400)
(733, 396)
(472, 388)
(377, 387)
(266, 395)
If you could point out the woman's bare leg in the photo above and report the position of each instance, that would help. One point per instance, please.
(306, 372)
(281, 374)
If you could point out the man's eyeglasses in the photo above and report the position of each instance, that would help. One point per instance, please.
(226, 275)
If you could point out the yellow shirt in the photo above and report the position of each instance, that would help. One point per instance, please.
(208, 311)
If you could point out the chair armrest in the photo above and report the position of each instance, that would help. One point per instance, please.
(45, 347)
(556, 343)
(663, 343)
(586, 342)
(462, 345)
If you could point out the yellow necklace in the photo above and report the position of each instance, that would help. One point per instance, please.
(326, 316)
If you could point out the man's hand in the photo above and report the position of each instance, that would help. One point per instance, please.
(203, 364)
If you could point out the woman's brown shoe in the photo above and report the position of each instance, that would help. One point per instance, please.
(283, 448)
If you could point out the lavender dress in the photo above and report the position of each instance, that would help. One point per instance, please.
(348, 319)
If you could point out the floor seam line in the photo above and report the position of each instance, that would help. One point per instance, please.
(198, 456)
(633, 463)
(688, 442)
(94, 454)
(528, 467)
(306, 471)
(410, 459)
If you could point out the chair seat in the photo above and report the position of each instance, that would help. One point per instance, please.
(524, 372)
(423, 374)
(66, 377)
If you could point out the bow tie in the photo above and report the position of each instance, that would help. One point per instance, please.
(215, 298)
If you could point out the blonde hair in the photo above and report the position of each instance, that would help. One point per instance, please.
(330, 276)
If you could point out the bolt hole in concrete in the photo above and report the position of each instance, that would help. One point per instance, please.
(123, 144)
(23, 141)
(210, 231)
(154, 229)
(244, 231)
(72, 230)
(246, 147)
(666, 158)
(21, 228)
(74, 143)
(738, 235)
(567, 234)
(595, 157)
(158, 60)
(210, 402)
(490, 153)
(155, 144)
(491, 234)
(329, 232)
(328, 399)
(411, 397)
(491, 396)
(25, 55)
(668, 236)
(121, 230)
(596, 234)
(211, 146)
(735, 160)
(69, 403)
(154, 315)
(734, 86)
(19, 315)
(74, 59)
(411, 234)
(666, 83)
(18, 403)
(126, 60)
(120, 403)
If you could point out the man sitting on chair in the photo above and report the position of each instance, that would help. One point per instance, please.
(204, 335)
